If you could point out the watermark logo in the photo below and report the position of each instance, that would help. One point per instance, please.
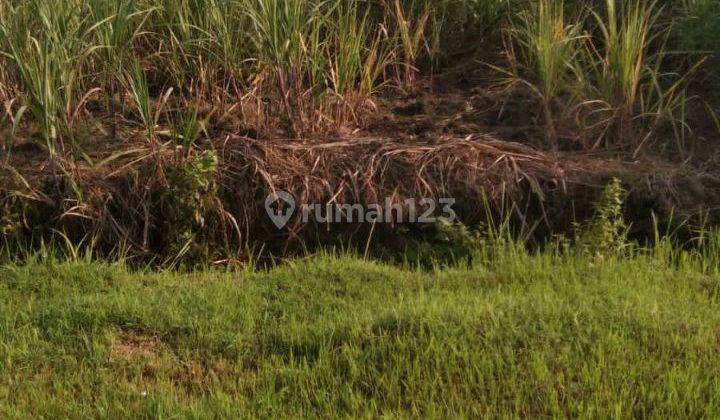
(281, 207)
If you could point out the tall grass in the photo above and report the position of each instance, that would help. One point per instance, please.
(287, 41)
(117, 27)
(548, 46)
(313, 66)
(623, 54)
(627, 73)
(411, 22)
(360, 56)
(610, 69)
(300, 56)
(137, 85)
(44, 40)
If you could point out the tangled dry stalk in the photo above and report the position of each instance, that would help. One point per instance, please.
(124, 202)
(135, 204)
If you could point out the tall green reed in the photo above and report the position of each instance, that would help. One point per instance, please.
(622, 59)
(548, 49)
(46, 41)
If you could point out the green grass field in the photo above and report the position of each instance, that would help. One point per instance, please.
(338, 336)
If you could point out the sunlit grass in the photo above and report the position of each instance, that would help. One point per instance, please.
(520, 335)
(548, 48)
(607, 64)
(313, 66)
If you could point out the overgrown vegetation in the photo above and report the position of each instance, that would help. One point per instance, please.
(606, 66)
(313, 66)
(105, 101)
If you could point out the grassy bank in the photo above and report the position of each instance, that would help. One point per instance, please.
(158, 127)
(333, 336)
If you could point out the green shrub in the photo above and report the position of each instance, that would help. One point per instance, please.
(606, 234)
(189, 200)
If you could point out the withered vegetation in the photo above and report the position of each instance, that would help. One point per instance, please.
(157, 128)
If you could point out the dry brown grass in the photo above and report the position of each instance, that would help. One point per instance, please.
(124, 206)
(123, 202)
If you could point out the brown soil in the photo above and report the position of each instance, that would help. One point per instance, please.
(132, 346)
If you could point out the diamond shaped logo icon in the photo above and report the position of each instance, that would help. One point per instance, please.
(280, 207)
